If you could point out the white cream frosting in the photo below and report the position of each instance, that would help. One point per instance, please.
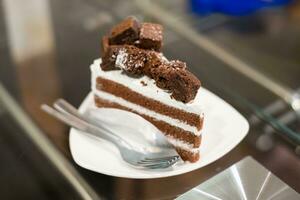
(182, 145)
(150, 91)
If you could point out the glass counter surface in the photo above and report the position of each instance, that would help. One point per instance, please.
(60, 68)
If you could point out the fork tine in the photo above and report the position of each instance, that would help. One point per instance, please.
(158, 165)
(147, 162)
(143, 162)
(158, 160)
(162, 158)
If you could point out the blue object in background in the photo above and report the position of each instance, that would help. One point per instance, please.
(233, 7)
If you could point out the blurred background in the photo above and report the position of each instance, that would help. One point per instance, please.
(247, 52)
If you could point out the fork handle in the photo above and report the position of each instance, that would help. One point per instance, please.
(81, 125)
(65, 107)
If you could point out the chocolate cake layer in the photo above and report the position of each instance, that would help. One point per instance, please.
(124, 92)
(187, 155)
(169, 130)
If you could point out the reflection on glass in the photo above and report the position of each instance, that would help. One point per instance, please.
(245, 180)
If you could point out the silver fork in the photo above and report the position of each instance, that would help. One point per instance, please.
(139, 159)
(155, 138)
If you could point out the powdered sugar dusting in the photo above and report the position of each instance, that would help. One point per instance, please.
(130, 61)
(122, 59)
(163, 58)
(151, 31)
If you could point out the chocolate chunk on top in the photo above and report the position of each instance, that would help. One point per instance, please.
(182, 84)
(153, 60)
(128, 58)
(109, 58)
(126, 32)
(150, 37)
(131, 59)
(177, 64)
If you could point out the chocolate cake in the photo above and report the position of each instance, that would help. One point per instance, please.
(134, 75)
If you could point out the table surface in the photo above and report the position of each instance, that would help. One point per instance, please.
(40, 66)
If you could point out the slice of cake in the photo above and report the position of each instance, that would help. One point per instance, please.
(134, 75)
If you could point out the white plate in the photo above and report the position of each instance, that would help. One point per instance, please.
(224, 128)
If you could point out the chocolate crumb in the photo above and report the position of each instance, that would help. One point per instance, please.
(143, 83)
